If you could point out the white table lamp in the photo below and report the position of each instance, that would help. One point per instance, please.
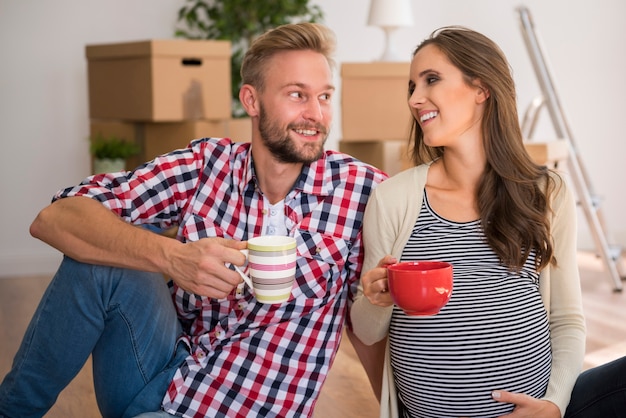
(390, 15)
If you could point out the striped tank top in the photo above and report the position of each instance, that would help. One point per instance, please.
(492, 334)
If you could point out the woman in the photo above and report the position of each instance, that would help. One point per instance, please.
(512, 335)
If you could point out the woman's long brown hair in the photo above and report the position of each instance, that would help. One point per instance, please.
(514, 192)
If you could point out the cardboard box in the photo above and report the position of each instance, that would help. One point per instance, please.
(160, 138)
(374, 101)
(547, 152)
(160, 80)
(392, 155)
(239, 130)
(389, 155)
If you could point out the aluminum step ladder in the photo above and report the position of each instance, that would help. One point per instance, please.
(587, 199)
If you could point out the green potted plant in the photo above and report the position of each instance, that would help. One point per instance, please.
(110, 153)
(240, 21)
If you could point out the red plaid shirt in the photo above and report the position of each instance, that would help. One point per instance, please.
(251, 359)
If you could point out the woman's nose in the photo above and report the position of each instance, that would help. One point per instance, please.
(416, 98)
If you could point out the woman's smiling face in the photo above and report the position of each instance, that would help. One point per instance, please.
(446, 106)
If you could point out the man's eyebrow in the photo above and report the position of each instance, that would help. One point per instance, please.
(304, 86)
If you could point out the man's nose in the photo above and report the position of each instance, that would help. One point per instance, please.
(313, 111)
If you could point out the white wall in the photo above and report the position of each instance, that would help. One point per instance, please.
(43, 94)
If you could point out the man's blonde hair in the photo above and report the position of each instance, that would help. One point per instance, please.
(290, 37)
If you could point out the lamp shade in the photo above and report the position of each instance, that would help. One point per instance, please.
(390, 13)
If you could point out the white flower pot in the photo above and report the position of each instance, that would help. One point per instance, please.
(108, 165)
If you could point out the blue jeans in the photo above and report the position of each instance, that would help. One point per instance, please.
(600, 392)
(124, 318)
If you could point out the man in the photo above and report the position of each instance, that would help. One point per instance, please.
(216, 351)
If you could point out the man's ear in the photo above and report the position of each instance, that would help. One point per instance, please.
(248, 96)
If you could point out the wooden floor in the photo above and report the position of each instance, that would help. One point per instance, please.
(347, 392)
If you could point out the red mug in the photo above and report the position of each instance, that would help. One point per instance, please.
(420, 287)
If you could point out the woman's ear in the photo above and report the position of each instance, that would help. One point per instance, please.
(482, 92)
(248, 96)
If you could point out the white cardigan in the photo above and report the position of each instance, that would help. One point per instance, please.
(390, 215)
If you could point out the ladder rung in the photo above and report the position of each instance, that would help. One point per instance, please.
(596, 201)
(615, 251)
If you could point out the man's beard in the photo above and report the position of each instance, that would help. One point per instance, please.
(282, 147)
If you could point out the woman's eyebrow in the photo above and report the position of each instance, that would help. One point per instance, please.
(427, 71)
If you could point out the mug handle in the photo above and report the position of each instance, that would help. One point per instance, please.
(245, 277)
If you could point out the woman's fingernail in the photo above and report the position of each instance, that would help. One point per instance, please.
(495, 394)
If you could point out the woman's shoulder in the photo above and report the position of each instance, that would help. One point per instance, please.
(559, 184)
(401, 193)
(409, 177)
(560, 195)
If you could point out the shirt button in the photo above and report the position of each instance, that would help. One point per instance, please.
(200, 354)
(273, 212)
(271, 230)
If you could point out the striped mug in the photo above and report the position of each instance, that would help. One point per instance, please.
(271, 267)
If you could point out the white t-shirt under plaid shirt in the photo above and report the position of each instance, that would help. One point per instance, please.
(247, 358)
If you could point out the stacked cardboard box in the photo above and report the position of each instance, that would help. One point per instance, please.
(375, 116)
(162, 93)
